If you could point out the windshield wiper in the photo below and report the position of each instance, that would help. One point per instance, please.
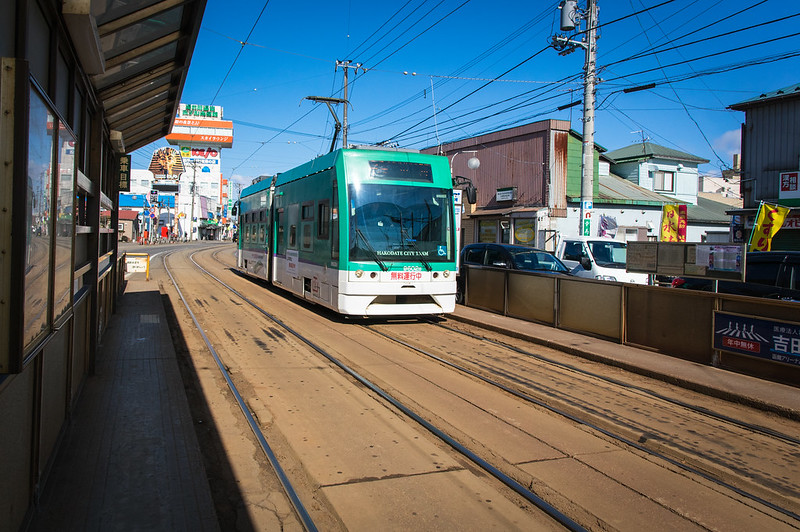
(413, 245)
(371, 250)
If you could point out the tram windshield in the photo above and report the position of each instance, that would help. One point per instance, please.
(400, 223)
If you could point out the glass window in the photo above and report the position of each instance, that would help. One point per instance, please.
(262, 233)
(524, 231)
(474, 255)
(292, 222)
(65, 187)
(335, 223)
(38, 37)
(609, 254)
(401, 223)
(495, 257)
(663, 181)
(38, 220)
(308, 240)
(487, 231)
(573, 251)
(762, 272)
(323, 220)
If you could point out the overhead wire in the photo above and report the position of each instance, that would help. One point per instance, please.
(239, 53)
(686, 110)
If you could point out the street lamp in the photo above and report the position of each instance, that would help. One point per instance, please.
(473, 164)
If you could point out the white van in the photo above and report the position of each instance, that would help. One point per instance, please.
(598, 258)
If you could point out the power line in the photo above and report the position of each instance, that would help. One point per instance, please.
(243, 44)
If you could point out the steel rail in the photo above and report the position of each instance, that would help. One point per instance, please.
(526, 493)
(699, 409)
(302, 513)
(606, 432)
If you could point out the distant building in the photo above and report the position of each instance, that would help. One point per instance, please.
(771, 160)
(529, 188)
(664, 170)
(675, 174)
(205, 195)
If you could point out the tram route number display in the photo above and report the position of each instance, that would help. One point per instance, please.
(760, 337)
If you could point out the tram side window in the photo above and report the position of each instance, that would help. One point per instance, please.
(280, 242)
(292, 222)
(335, 222)
(307, 226)
(324, 217)
(262, 234)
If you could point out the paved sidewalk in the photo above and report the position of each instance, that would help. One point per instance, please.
(130, 459)
(766, 395)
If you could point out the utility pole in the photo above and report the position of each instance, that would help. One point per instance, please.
(571, 17)
(194, 189)
(345, 66)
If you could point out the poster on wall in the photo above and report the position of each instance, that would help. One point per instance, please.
(759, 337)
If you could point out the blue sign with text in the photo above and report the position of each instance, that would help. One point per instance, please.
(761, 337)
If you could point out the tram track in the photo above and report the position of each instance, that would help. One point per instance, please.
(277, 328)
(680, 460)
(507, 468)
(496, 472)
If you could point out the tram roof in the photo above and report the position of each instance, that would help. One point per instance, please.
(323, 162)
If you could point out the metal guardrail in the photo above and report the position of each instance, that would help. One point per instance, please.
(671, 321)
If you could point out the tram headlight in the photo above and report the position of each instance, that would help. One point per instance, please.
(359, 273)
(446, 273)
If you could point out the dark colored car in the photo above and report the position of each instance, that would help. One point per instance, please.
(771, 274)
(509, 256)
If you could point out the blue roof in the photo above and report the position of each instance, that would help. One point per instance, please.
(138, 201)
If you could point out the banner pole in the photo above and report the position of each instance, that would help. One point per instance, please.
(755, 222)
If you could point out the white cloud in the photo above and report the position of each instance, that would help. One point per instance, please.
(729, 143)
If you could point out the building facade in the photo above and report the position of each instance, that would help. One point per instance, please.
(770, 166)
(529, 188)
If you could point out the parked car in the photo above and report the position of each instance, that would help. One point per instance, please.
(771, 274)
(598, 258)
(509, 256)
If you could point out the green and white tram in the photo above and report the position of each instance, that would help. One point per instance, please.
(365, 232)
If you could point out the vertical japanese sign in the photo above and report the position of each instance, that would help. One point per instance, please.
(124, 173)
(768, 222)
(673, 223)
(790, 185)
(760, 337)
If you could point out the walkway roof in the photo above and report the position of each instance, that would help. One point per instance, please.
(137, 54)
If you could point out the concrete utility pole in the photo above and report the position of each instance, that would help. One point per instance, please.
(345, 66)
(570, 15)
(194, 191)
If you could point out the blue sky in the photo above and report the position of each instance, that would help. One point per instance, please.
(440, 70)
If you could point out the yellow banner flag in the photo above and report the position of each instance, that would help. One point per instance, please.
(673, 223)
(768, 222)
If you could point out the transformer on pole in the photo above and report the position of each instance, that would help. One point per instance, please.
(571, 17)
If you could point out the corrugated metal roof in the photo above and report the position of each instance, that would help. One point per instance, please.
(792, 91)
(713, 196)
(648, 150)
(708, 211)
(616, 190)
